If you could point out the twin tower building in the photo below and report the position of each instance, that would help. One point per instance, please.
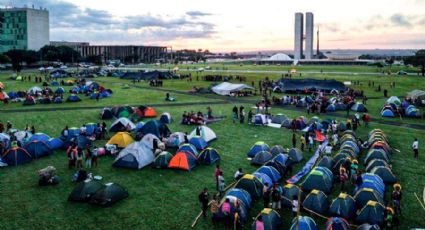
(299, 36)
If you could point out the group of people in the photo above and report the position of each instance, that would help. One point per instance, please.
(199, 118)
(78, 155)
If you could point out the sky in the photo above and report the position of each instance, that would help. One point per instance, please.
(235, 25)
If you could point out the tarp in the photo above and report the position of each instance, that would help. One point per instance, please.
(227, 88)
(308, 166)
(301, 85)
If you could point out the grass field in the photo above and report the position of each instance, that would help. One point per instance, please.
(167, 199)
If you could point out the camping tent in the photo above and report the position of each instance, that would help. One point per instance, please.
(261, 158)
(241, 195)
(385, 173)
(394, 100)
(40, 137)
(304, 85)
(319, 178)
(374, 163)
(198, 142)
(277, 149)
(165, 118)
(136, 155)
(343, 206)
(122, 124)
(336, 223)
(260, 119)
(85, 190)
(227, 88)
(364, 195)
(264, 179)
(271, 172)
(109, 195)
(271, 219)
(316, 201)
(371, 213)
(416, 94)
(258, 147)
(73, 98)
(149, 140)
(208, 156)
(156, 128)
(359, 107)
(279, 119)
(326, 162)
(288, 193)
(162, 160)
(121, 140)
(184, 161)
(16, 156)
(368, 227)
(280, 168)
(34, 90)
(303, 223)
(295, 155)
(188, 148)
(372, 181)
(175, 139)
(411, 111)
(282, 159)
(37, 149)
(387, 113)
(55, 143)
(250, 184)
(205, 132)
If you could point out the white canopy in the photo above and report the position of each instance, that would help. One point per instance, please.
(227, 88)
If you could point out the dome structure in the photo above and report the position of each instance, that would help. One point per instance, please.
(279, 57)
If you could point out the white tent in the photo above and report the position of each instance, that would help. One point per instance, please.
(136, 155)
(123, 122)
(35, 90)
(227, 88)
(148, 140)
(205, 132)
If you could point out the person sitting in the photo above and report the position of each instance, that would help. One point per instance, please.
(47, 176)
(239, 174)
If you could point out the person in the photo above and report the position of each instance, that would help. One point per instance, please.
(89, 156)
(79, 157)
(366, 119)
(303, 142)
(294, 140)
(225, 209)
(9, 126)
(259, 225)
(250, 115)
(217, 174)
(71, 156)
(214, 210)
(94, 156)
(389, 214)
(415, 147)
(342, 178)
(221, 184)
(266, 195)
(238, 174)
(83, 130)
(354, 167)
(1, 127)
(209, 113)
(276, 198)
(97, 96)
(310, 143)
(295, 205)
(385, 93)
(235, 114)
(204, 199)
(242, 114)
(237, 223)
(328, 149)
(396, 198)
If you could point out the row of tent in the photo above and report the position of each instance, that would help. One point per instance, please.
(260, 153)
(393, 104)
(308, 85)
(37, 146)
(94, 192)
(132, 113)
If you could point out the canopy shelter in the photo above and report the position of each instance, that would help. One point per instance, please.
(227, 88)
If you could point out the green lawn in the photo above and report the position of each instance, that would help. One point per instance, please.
(167, 199)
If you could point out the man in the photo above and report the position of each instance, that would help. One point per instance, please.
(276, 198)
(238, 174)
(415, 147)
(204, 199)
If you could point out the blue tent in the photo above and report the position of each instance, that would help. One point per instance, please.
(91, 128)
(94, 95)
(411, 111)
(198, 142)
(60, 90)
(55, 143)
(258, 147)
(165, 118)
(105, 94)
(372, 181)
(387, 113)
(264, 179)
(331, 108)
(55, 83)
(260, 119)
(16, 156)
(156, 128)
(364, 195)
(343, 206)
(83, 142)
(73, 98)
(271, 219)
(188, 148)
(281, 159)
(316, 201)
(340, 107)
(40, 137)
(271, 172)
(242, 195)
(38, 149)
(261, 158)
(372, 213)
(57, 100)
(303, 223)
(359, 107)
(139, 125)
(319, 178)
(208, 156)
(337, 223)
(73, 132)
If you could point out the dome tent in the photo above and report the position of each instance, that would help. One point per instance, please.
(208, 156)
(337, 223)
(183, 161)
(150, 139)
(252, 185)
(343, 206)
(122, 124)
(205, 132)
(121, 140)
(289, 191)
(241, 195)
(261, 158)
(188, 148)
(258, 147)
(108, 195)
(316, 201)
(277, 149)
(136, 156)
(303, 223)
(175, 139)
(319, 179)
(264, 179)
(385, 173)
(364, 195)
(371, 213)
(271, 172)
(199, 143)
(16, 156)
(84, 190)
(38, 149)
(156, 128)
(271, 219)
(162, 160)
(295, 155)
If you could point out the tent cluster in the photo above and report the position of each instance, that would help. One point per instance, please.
(146, 75)
(191, 151)
(94, 192)
(29, 147)
(309, 85)
(394, 107)
(132, 113)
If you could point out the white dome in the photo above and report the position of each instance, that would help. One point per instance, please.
(280, 57)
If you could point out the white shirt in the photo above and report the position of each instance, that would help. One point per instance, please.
(237, 174)
(328, 149)
(295, 205)
(310, 140)
(415, 145)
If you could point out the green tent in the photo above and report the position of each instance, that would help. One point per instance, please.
(109, 195)
(162, 160)
(85, 190)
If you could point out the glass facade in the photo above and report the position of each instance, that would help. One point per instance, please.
(13, 30)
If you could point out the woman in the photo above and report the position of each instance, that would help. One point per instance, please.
(89, 156)
(79, 158)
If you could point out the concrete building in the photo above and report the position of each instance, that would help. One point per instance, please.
(77, 46)
(309, 35)
(23, 28)
(299, 33)
(127, 54)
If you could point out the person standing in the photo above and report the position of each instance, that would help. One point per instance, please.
(89, 157)
(217, 174)
(415, 147)
(214, 210)
(294, 140)
(259, 224)
(396, 197)
(302, 142)
(250, 115)
(241, 114)
(235, 114)
(204, 199)
(79, 158)
(221, 184)
(342, 178)
(310, 143)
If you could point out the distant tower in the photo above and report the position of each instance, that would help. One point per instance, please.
(309, 35)
(318, 47)
(299, 32)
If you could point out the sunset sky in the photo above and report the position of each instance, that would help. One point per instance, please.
(235, 25)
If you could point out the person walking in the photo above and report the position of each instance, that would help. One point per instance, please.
(396, 198)
(415, 147)
(204, 199)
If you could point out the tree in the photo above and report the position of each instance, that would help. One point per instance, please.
(96, 59)
(418, 61)
(50, 53)
(389, 61)
(16, 57)
(31, 57)
(4, 59)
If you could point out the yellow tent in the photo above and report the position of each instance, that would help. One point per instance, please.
(121, 139)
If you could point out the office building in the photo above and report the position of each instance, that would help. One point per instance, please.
(77, 46)
(309, 35)
(23, 28)
(299, 33)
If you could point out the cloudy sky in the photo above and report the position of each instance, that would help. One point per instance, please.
(235, 25)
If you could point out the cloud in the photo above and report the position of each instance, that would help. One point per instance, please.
(71, 22)
(400, 20)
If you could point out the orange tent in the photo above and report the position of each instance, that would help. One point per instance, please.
(149, 112)
(184, 161)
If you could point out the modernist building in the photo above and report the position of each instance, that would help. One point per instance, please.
(309, 35)
(23, 28)
(129, 54)
(77, 46)
(299, 33)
